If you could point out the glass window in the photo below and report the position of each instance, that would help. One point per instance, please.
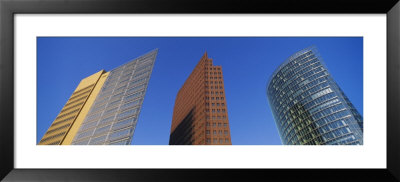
(85, 134)
(110, 111)
(119, 134)
(123, 123)
(102, 129)
(132, 97)
(84, 142)
(122, 142)
(127, 113)
(98, 140)
(88, 125)
(106, 120)
(130, 104)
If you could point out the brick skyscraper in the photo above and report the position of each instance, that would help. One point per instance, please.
(200, 114)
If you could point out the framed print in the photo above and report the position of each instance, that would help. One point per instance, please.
(122, 90)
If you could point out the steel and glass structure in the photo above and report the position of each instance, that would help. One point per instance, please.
(104, 108)
(308, 105)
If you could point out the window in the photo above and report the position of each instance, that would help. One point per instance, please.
(113, 103)
(213, 104)
(130, 104)
(214, 124)
(221, 141)
(98, 140)
(127, 113)
(226, 132)
(123, 124)
(117, 96)
(225, 124)
(207, 124)
(106, 120)
(88, 125)
(85, 134)
(215, 132)
(93, 117)
(207, 132)
(132, 97)
(119, 134)
(215, 141)
(134, 89)
(110, 111)
(213, 110)
(219, 124)
(102, 129)
(220, 132)
(124, 81)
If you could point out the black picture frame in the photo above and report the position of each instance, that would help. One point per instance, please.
(9, 8)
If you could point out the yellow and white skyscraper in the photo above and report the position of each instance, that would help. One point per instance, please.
(104, 108)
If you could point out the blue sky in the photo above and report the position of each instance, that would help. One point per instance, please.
(247, 63)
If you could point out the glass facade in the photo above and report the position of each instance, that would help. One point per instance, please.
(112, 118)
(309, 107)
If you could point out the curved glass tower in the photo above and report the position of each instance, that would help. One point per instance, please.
(309, 107)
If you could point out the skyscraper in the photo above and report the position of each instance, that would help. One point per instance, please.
(200, 114)
(104, 108)
(309, 107)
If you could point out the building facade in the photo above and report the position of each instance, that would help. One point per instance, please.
(200, 115)
(104, 108)
(309, 107)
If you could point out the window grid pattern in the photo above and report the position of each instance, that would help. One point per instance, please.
(113, 116)
(65, 118)
(309, 107)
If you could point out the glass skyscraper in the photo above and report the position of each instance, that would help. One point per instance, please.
(114, 114)
(309, 107)
(104, 108)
